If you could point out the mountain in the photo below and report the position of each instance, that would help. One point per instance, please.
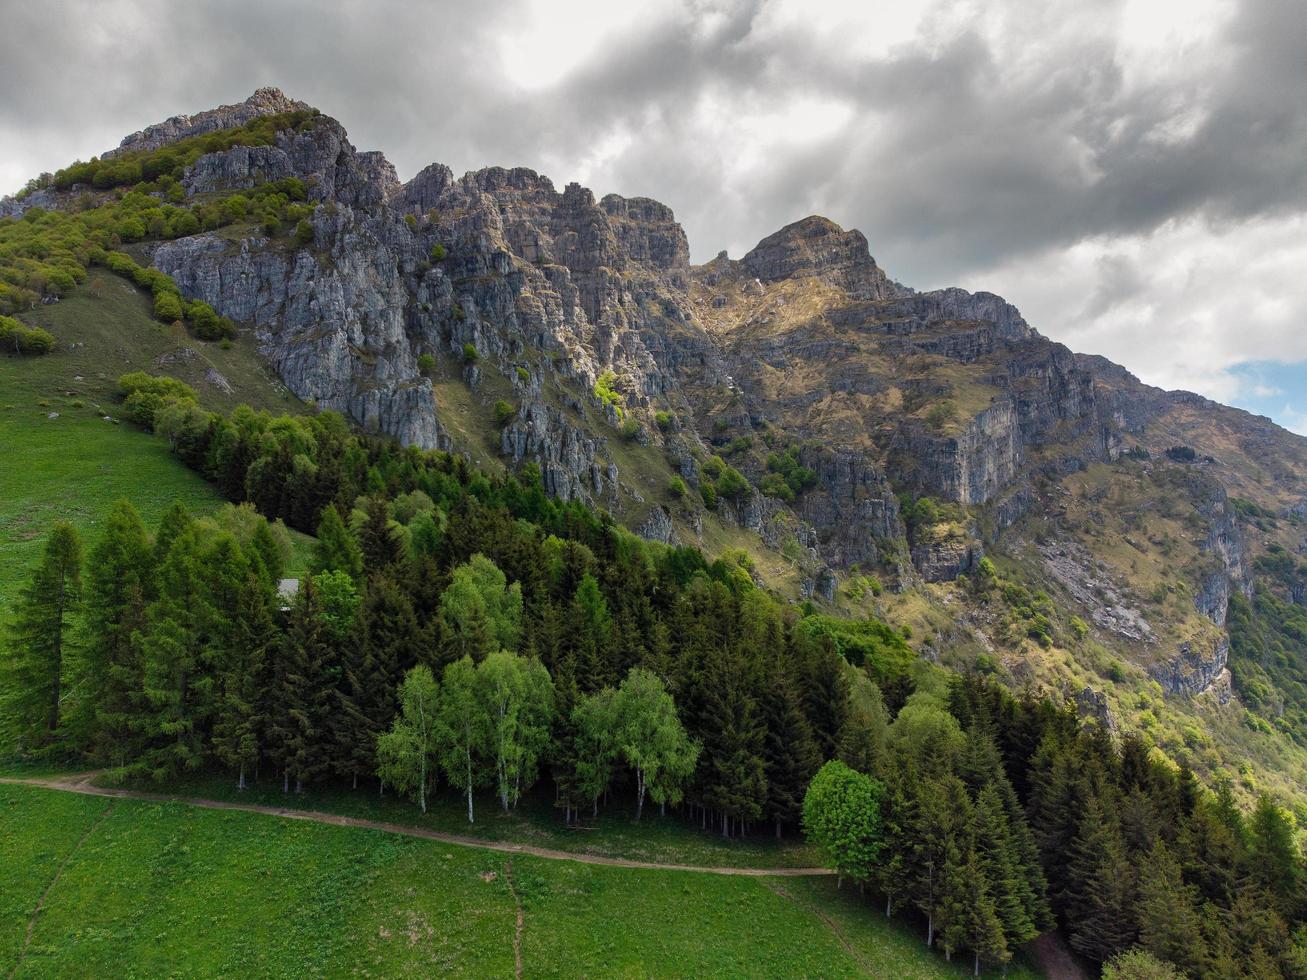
(929, 456)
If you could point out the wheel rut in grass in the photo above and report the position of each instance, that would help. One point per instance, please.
(84, 783)
(521, 918)
(40, 904)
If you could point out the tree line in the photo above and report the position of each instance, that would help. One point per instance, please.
(460, 628)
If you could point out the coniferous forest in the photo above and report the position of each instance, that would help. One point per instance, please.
(460, 633)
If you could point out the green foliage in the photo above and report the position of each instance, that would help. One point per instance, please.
(480, 610)
(1139, 964)
(41, 641)
(304, 232)
(604, 391)
(941, 415)
(18, 338)
(869, 643)
(651, 740)
(145, 396)
(663, 420)
(786, 477)
(505, 412)
(438, 253)
(676, 487)
(523, 375)
(172, 160)
(841, 815)
(426, 365)
(470, 354)
(407, 754)
(1267, 634)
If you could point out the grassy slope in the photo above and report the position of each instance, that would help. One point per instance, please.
(534, 821)
(161, 888)
(73, 467)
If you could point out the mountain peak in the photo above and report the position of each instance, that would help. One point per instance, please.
(266, 101)
(817, 247)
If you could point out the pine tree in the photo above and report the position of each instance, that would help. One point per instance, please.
(181, 651)
(336, 550)
(40, 641)
(377, 537)
(860, 742)
(1170, 926)
(980, 928)
(301, 695)
(789, 752)
(119, 576)
(383, 647)
(240, 720)
(1009, 889)
(734, 745)
(1274, 859)
(1100, 887)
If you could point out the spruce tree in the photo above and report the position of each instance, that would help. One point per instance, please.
(40, 640)
(1170, 926)
(240, 718)
(377, 537)
(119, 576)
(789, 752)
(336, 550)
(383, 647)
(1099, 899)
(734, 745)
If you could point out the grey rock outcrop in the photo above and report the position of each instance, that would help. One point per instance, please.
(1194, 669)
(264, 102)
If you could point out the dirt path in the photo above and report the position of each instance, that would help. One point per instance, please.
(82, 783)
(40, 905)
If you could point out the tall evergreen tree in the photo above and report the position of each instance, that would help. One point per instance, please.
(789, 751)
(119, 577)
(383, 646)
(336, 550)
(41, 637)
(241, 719)
(1099, 899)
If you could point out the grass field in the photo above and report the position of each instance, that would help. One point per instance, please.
(535, 821)
(128, 888)
(75, 466)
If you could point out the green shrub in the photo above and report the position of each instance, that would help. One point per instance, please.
(470, 353)
(438, 253)
(426, 365)
(304, 232)
(709, 494)
(604, 391)
(411, 220)
(676, 487)
(504, 412)
(629, 429)
(168, 307)
(1080, 629)
(663, 420)
(18, 338)
(523, 375)
(144, 395)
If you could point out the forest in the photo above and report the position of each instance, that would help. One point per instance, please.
(459, 632)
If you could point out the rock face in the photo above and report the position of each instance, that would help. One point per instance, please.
(802, 353)
(264, 102)
(1194, 669)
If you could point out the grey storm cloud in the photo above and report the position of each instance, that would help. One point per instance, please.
(1022, 146)
(948, 161)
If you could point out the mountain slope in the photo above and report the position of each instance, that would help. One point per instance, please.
(796, 402)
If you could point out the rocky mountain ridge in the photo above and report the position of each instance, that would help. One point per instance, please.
(640, 382)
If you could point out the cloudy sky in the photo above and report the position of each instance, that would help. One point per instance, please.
(1131, 173)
